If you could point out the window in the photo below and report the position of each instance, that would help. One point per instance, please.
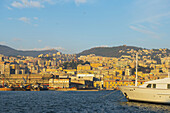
(148, 86)
(154, 85)
(168, 86)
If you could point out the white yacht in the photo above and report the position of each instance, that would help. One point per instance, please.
(156, 91)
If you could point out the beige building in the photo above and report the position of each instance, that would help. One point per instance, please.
(59, 83)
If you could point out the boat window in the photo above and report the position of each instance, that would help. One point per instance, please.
(148, 86)
(168, 86)
(154, 85)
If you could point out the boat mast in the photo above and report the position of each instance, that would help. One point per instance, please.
(168, 68)
(136, 80)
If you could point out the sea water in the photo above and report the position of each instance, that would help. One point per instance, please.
(73, 102)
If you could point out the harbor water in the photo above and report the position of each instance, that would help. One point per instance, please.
(73, 102)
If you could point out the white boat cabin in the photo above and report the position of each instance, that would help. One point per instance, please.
(158, 84)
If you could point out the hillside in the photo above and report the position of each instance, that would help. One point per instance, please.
(98, 51)
(8, 51)
(125, 50)
(109, 51)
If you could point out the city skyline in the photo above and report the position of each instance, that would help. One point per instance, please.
(72, 26)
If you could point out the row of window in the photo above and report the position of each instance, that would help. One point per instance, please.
(61, 81)
(124, 82)
(154, 86)
(151, 86)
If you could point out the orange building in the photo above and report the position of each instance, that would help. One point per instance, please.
(95, 65)
(83, 67)
(112, 84)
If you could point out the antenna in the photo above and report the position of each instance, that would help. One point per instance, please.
(136, 80)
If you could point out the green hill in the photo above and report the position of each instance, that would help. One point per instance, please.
(109, 51)
(124, 50)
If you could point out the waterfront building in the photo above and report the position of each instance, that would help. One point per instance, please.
(59, 83)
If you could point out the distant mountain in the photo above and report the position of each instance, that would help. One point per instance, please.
(8, 51)
(115, 51)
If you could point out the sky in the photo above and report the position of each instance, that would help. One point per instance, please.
(72, 26)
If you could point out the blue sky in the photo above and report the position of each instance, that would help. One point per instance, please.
(72, 26)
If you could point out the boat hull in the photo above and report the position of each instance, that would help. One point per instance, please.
(146, 94)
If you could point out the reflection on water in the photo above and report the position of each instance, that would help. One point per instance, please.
(73, 102)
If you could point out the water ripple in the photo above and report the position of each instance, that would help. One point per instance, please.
(73, 102)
